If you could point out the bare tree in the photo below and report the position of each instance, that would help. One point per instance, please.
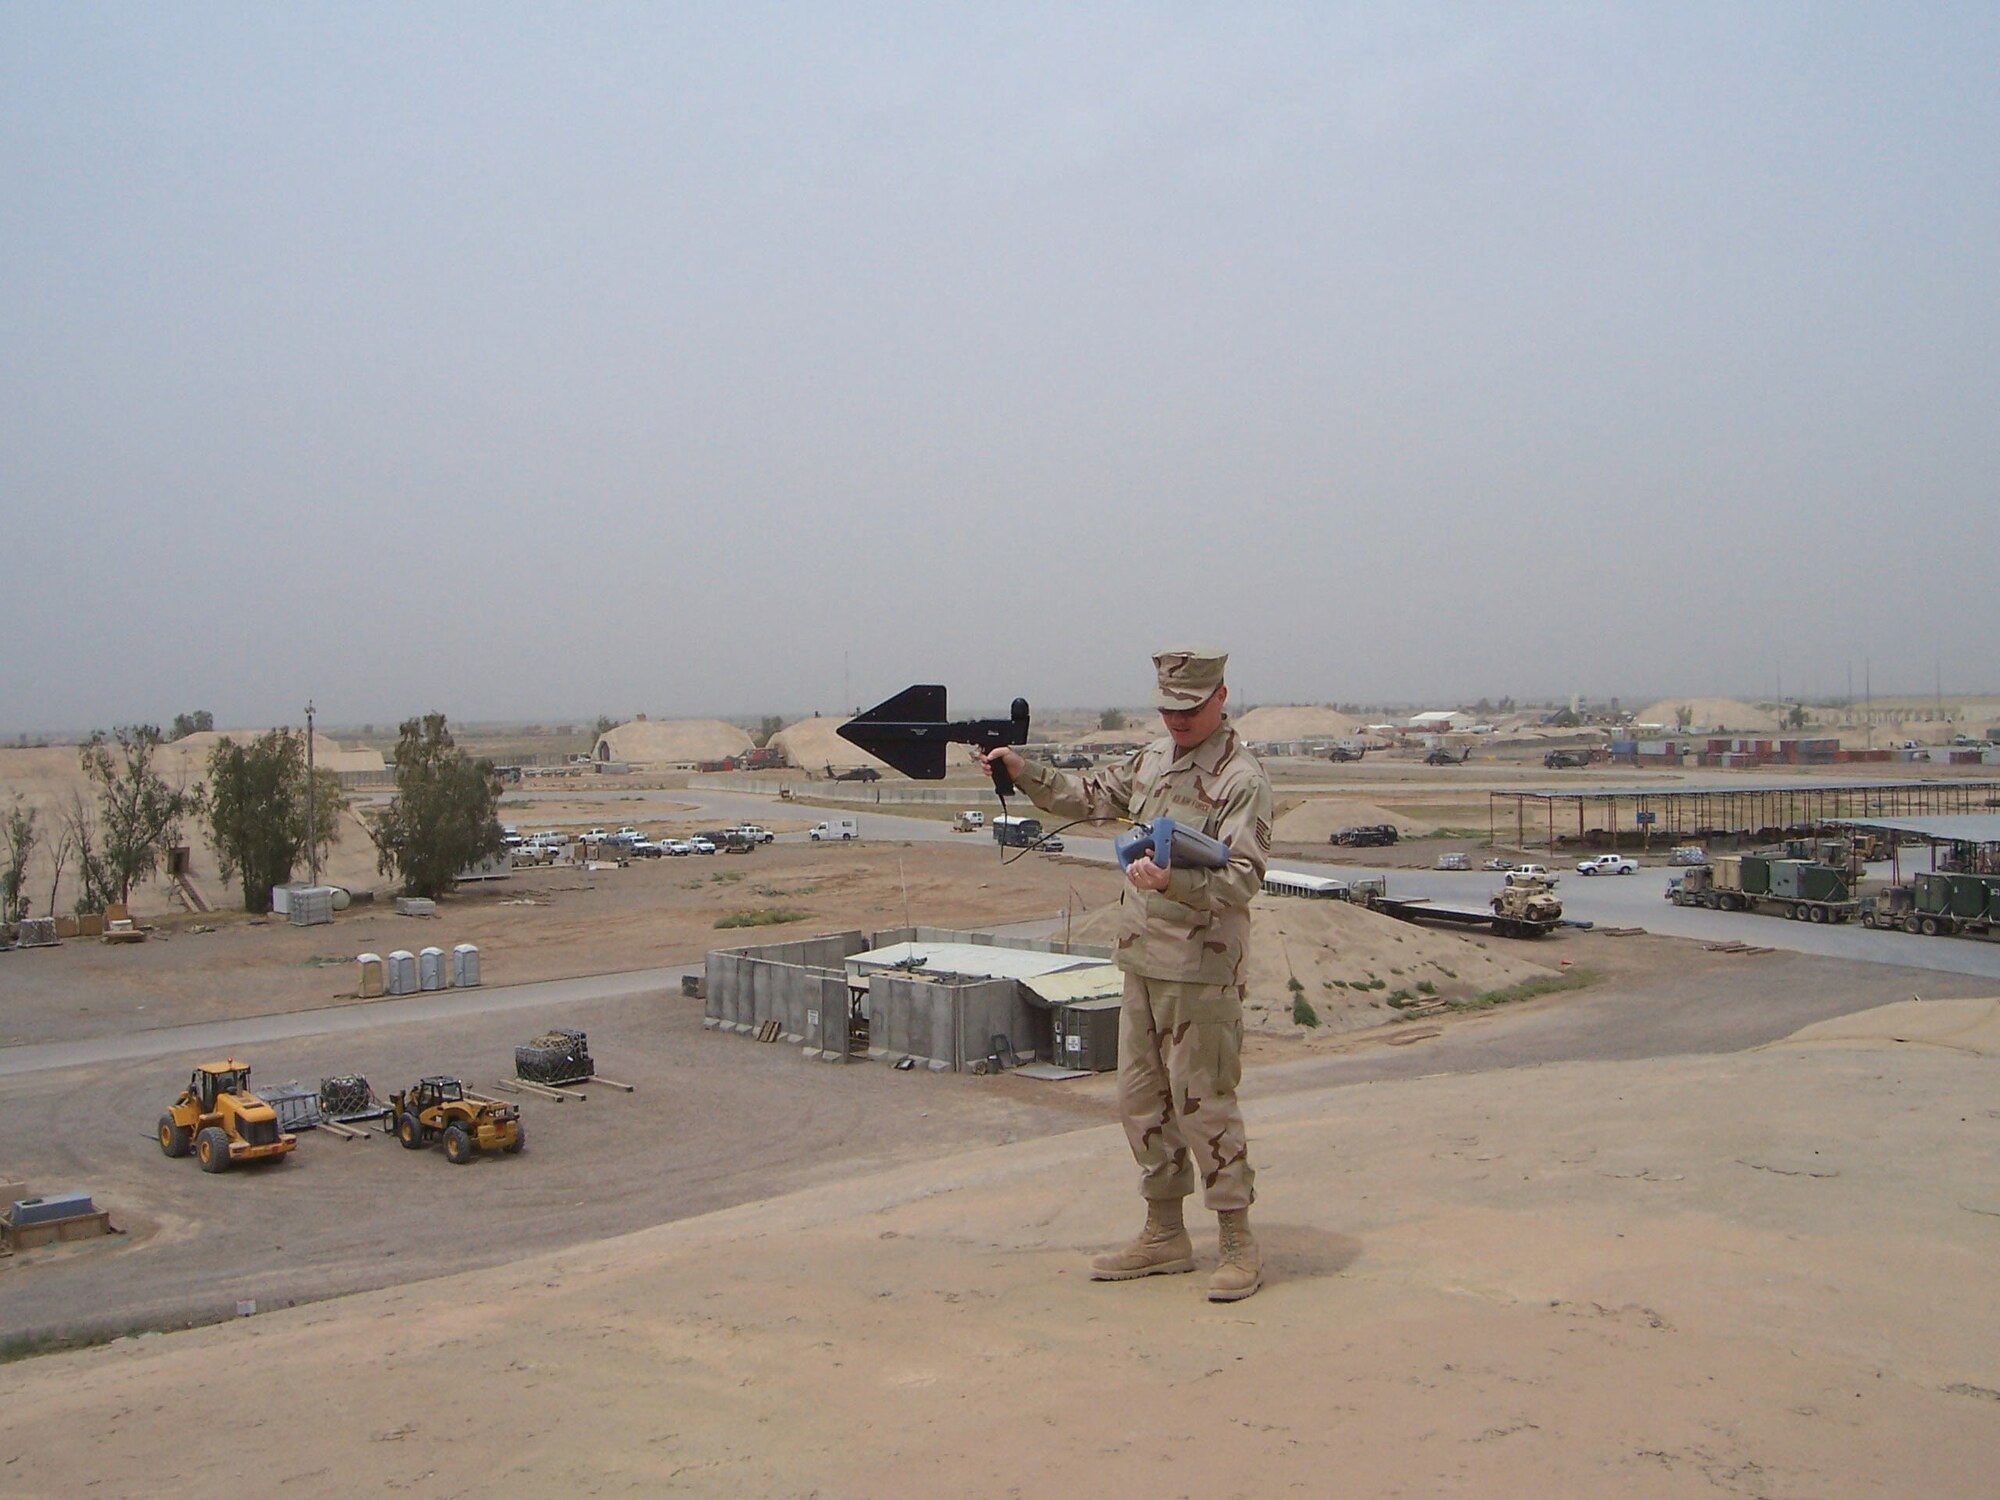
(97, 882)
(61, 845)
(17, 830)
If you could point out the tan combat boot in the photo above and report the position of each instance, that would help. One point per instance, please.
(1241, 1270)
(1162, 1247)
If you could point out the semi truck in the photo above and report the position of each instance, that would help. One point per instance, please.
(1801, 889)
(1937, 904)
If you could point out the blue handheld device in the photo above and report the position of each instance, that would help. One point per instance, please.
(1168, 842)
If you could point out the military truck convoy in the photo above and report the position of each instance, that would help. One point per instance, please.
(1801, 889)
(1937, 904)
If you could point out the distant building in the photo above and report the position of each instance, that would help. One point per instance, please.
(1440, 721)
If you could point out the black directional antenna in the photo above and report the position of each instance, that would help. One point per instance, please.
(910, 732)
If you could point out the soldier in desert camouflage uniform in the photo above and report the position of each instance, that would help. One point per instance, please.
(1182, 941)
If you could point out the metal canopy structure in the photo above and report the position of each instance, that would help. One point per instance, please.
(1753, 810)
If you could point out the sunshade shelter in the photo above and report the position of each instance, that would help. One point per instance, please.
(1756, 810)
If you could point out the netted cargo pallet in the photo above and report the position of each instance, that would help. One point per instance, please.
(559, 1055)
(350, 1099)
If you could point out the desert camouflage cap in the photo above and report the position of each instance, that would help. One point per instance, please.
(1187, 675)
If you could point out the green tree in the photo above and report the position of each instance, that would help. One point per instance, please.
(1683, 716)
(605, 724)
(139, 812)
(445, 813)
(1111, 718)
(767, 726)
(198, 722)
(1795, 718)
(17, 829)
(258, 808)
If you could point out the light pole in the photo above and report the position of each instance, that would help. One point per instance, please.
(312, 801)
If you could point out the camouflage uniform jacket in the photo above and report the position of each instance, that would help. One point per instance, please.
(1198, 929)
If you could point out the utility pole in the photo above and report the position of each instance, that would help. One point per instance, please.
(312, 801)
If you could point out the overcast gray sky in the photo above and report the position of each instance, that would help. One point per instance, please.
(537, 360)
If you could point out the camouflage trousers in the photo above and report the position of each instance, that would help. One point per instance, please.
(1180, 1057)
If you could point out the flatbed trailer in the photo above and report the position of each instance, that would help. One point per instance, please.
(1423, 909)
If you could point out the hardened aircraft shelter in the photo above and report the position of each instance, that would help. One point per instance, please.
(1756, 810)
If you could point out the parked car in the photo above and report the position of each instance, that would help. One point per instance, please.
(677, 846)
(1498, 864)
(753, 833)
(1529, 872)
(1368, 835)
(1607, 864)
(700, 846)
(646, 849)
(1454, 861)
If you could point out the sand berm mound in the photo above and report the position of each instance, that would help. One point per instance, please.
(1349, 961)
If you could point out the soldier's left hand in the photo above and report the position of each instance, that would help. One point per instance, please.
(1146, 875)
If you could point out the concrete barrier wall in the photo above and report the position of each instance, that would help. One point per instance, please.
(946, 1026)
(802, 985)
(784, 982)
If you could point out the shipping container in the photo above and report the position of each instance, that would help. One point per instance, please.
(1970, 896)
(1086, 1034)
(1756, 875)
(1933, 893)
(1729, 872)
(1787, 879)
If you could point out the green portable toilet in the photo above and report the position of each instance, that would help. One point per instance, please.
(1756, 875)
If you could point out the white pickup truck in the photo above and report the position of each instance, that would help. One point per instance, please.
(1608, 864)
(1522, 873)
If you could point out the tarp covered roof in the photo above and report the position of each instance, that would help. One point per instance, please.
(1101, 981)
(968, 960)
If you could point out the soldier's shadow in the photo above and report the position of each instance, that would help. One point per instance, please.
(1295, 1252)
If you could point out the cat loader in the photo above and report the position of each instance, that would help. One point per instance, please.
(440, 1109)
(221, 1121)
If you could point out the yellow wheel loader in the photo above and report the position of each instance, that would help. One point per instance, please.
(440, 1109)
(221, 1121)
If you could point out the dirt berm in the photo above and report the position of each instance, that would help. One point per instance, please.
(1766, 1274)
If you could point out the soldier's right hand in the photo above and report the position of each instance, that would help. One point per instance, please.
(1005, 757)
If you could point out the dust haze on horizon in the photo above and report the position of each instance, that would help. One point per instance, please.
(534, 362)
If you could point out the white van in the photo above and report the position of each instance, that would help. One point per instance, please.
(835, 828)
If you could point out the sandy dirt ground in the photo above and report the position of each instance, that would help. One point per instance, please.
(1583, 1244)
(1761, 1275)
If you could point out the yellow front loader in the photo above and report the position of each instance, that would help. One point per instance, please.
(221, 1121)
